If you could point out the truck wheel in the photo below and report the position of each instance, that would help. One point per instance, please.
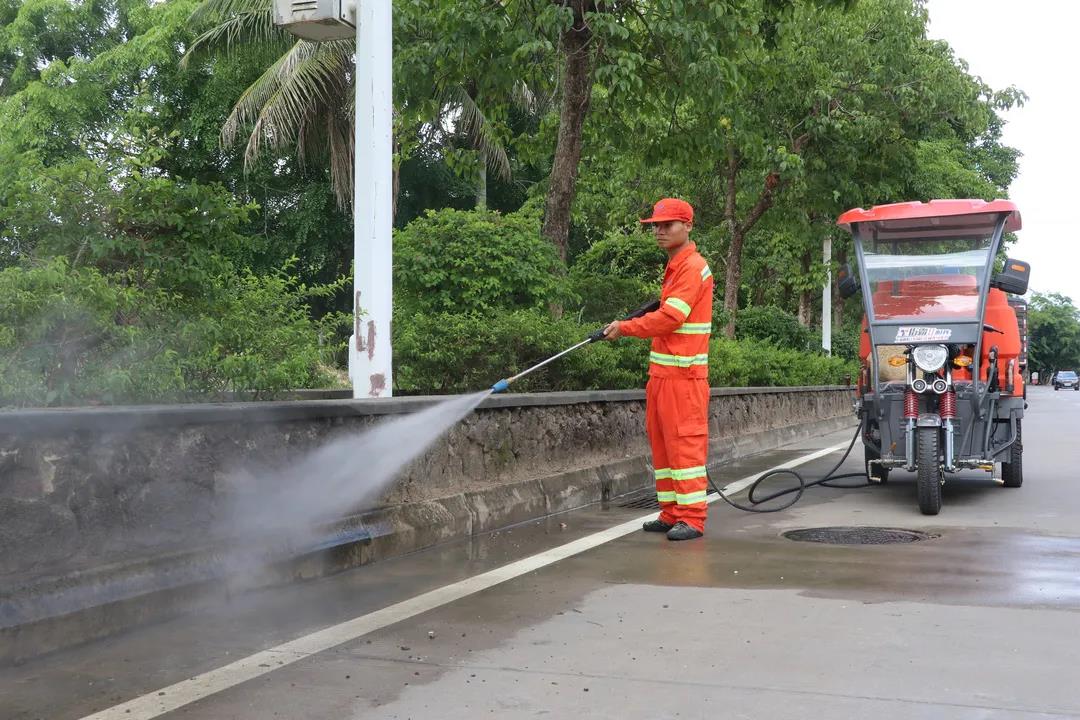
(928, 469)
(1012, 472)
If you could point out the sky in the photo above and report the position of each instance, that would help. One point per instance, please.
(1032, 45)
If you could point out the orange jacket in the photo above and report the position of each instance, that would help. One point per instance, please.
(680, 328)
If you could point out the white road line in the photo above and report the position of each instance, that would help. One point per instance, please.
(159, 702)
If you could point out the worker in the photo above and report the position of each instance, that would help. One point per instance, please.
(677, 393)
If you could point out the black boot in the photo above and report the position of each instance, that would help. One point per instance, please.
(656, 526)
(682, 531)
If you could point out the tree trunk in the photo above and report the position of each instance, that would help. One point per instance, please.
(804, 308)
(577, 88)
(732, 278)
(738, 235)
(804, 295)
(734, 256)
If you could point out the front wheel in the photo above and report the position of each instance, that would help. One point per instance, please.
(928, 469)
(1012, 472)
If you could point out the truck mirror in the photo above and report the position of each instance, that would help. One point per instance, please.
(1014, 278)
(845, 282)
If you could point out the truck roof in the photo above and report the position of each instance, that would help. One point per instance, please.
(932, 209)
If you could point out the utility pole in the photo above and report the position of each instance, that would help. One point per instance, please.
(370, 355)
(826, 297)
(369, 22)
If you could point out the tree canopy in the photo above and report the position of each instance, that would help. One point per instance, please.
(189, 166)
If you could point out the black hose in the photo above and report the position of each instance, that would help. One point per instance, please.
(824, 481)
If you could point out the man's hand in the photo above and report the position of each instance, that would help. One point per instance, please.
(612, 332)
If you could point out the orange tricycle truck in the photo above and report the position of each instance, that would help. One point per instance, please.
(941, 389)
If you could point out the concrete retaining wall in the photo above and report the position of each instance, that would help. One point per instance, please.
(112, 516)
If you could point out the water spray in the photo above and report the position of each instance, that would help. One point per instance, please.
(502, 385)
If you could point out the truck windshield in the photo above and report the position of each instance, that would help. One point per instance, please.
(926, 279)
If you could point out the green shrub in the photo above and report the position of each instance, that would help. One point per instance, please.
(771, 324)
(616, 275)
(461, 262)
(71, 336)
(603, 299)
(738, 363)
(449, 353)
(260, 339)
(845, 342)
(619, 254)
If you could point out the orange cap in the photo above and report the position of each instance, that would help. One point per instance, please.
(671, 209)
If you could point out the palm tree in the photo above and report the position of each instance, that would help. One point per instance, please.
(305, 99)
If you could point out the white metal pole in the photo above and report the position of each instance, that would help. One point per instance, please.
(826, 297)
(369, 348)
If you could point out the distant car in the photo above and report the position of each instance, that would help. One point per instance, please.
(1066, 379)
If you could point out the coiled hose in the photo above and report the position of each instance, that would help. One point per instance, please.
(824, 481)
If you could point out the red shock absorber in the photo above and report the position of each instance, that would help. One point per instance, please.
(948, 405)
(911, 405)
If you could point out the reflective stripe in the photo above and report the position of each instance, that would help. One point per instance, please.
(706, 273)
(691, 498)
(668, 496)
(678, 360)
(662, 474)
(678, 305)
(694, 329)
(689, 473)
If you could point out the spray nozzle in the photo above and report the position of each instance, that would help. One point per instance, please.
(500, 386)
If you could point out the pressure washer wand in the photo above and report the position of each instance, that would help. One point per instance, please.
(593, 337)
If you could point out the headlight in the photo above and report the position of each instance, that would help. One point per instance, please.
(930, 357)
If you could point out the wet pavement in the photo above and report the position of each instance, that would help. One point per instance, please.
(981, 621)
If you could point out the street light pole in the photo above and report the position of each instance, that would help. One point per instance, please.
(370, 354)
(826, 297)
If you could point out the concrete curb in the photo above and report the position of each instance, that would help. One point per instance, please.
(120, 419)
(59, 612)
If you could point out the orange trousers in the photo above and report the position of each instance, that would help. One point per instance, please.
(677, 421)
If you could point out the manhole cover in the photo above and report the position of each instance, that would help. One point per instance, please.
(857, 535)
(641, 500)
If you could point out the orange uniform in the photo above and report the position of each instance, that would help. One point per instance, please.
(677, 394)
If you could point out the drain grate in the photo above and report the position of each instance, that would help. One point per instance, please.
(641, 500)
(857, 535)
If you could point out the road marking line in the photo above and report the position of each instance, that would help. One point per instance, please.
(173, 697)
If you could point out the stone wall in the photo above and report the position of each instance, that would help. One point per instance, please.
(86, 489)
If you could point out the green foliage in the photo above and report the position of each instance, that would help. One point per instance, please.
(175, 235)
(845, 341)
(773, 325)
(464, 353)
(737, 363)
(77, 336)
(259, 338)
(142, 258)
(67, 336)
(616, 274)
(454, 261)
(1053, 334)
(459, 352)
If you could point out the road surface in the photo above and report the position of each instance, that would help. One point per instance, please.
(583, 616)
